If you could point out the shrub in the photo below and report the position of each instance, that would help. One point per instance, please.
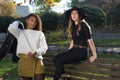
(56, 36)
(49, 21)
(4, 22)
(114, 16)
(96, 17)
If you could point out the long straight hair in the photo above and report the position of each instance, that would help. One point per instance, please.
(70, 26)
(38, 21)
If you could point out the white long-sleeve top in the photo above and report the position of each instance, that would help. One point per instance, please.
(36, 39)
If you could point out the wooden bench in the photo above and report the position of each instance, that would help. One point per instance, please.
(102, 69)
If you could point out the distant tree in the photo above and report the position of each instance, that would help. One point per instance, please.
(95, 16)
(76, 3)
(62, 22)
(7, 8)
(41, 6)
(51, 2)
(114, 16)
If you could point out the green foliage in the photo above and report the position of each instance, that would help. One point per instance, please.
(106, 41)
(4, 22)
(7, 67)
(56, 37)
(63, 22)
(114, 16)
(49, 21)
(96, 17)
(7, 8)
(76, 3)
(41, 6)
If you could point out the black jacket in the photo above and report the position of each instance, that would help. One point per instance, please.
(9, 46)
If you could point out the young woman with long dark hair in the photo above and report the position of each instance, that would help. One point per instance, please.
(80, 33)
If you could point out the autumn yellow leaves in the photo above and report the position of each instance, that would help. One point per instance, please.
(7, 8)
(49, 3)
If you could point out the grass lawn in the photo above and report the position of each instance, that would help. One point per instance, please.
(8, 70)
(107, 41)
(96, 41)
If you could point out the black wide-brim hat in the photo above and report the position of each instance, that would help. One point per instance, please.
(81, 12)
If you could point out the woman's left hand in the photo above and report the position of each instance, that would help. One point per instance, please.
(92, 59)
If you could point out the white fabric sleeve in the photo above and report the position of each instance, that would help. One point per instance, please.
(42, 46)
(13, 28)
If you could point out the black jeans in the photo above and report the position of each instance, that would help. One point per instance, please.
(73, 55)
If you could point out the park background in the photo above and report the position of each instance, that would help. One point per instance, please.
(103, 17)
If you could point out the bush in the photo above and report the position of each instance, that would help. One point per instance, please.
(114, 16)
(49, 21)
(63, 22)
(96, 17)
(4, 22)
(56, 36)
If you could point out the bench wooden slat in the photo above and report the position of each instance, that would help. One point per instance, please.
(98, 65)
(108, 61)
(91, 70)
(91, 73)
(81, 75)
(91, 76)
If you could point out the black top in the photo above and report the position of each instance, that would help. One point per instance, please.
(83, 36)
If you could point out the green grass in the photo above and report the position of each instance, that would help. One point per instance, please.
(96, 42)
(8, 70)
(107, 41)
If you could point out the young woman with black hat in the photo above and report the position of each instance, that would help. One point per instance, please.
(80, 33)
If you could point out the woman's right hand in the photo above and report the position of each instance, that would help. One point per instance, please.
(31, 54)
(92, 59)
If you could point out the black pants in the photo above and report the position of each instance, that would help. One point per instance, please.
(73, 55)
